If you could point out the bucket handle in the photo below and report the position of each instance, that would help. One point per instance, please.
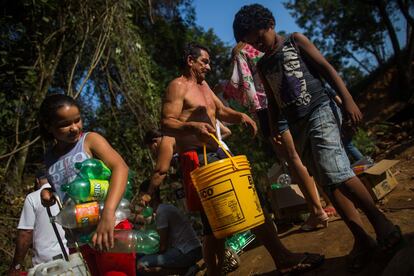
(222, 147)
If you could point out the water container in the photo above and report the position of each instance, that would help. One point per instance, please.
(75, 267)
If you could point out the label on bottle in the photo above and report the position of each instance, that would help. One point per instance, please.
(99, 188)
(87, 213)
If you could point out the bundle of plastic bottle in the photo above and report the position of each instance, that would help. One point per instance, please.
(87, 194)
(143, 241)
(92, 182)
(87, 214)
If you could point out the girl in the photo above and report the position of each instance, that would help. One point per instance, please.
(61, 123)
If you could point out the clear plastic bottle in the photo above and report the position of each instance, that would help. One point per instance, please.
(128, 241)
(86, 214)
(284, 180)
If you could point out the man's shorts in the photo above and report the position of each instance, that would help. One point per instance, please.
(171, 258)
(318, 142)
(190, 161)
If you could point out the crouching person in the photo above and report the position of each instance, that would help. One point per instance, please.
(180, 249)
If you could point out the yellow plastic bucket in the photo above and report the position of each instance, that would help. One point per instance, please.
(228, 195)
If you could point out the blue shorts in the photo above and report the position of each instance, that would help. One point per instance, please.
(282, 123)
(171, 258)
(318, 142)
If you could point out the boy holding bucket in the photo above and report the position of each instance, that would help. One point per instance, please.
(291, 70)
(189, 113)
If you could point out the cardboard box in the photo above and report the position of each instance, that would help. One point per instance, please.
(288, 202)
(380, 179)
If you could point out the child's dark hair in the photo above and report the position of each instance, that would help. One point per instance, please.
(144, 187)
(193, 49)
(48, 109)
(251, 18)
(150, 135)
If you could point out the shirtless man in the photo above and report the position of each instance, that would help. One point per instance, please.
(189, 113)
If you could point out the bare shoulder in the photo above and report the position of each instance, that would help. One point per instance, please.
(301, 39)
(176, 88)
(93, 136)
(92, 140)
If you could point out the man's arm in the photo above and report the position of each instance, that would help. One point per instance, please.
(171, 110)
(23, 242)
(165, 154)
(226, 114)
(329, 73)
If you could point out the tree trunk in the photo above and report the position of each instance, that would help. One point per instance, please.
(14, 177)
(391, 31)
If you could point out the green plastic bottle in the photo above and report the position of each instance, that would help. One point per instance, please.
(93, 169)
(83, 190)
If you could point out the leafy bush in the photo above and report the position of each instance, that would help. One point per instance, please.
(364, 142)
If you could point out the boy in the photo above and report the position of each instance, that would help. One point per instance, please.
(290, 72)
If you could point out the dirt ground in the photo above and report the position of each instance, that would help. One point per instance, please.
(336, 241)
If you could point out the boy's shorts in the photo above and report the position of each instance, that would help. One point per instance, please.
(318, 142)
(282, 123)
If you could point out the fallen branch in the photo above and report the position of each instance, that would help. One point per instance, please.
(19, 149)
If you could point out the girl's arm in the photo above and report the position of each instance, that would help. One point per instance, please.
(317, 60)
(99, 147)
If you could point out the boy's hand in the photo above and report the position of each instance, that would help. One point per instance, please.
(353, 112)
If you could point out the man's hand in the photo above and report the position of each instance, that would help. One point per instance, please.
(352, 111)
(202, 130)
(247, 121)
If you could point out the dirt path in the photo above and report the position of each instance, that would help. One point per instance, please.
(336, 241)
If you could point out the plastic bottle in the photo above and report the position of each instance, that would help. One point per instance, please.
(128, 241)
(239, 241)
(93, 169)
(84, 190)
(284, 180)
(86, 214)
(97, 170)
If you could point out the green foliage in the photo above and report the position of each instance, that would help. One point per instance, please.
(336, 29)
(364, 142)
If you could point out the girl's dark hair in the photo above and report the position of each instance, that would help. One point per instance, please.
(144, 187)
(251, 18)
(48, 109)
